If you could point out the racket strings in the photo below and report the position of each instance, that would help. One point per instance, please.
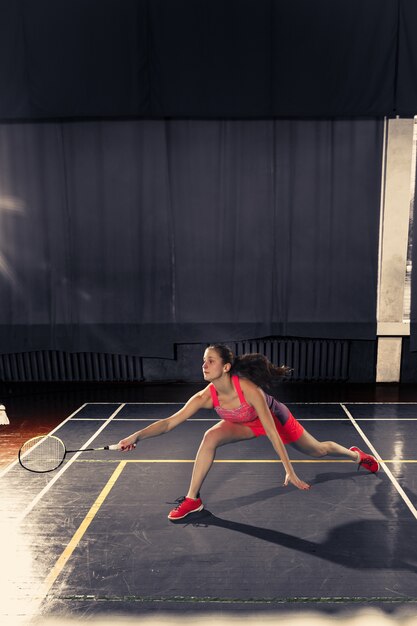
(42, 454)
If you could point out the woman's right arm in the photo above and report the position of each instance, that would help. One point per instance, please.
(201, 400)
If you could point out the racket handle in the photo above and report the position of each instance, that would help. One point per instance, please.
(114, 446)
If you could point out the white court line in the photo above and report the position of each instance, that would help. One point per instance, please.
(40, 495)
(292, 402)
(213, 419)
(9, 467)
(382, 464)
(150, 419)
(352, 403)
(205, 419)
(379, 403)
(287, 402)
(104, 403)
(386, 419)
(130, 403)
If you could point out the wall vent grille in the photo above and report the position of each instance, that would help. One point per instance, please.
(53, 366)
(311, 360)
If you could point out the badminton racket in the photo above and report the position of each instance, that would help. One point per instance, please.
(47, 452)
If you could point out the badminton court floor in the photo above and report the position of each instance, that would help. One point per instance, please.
(93, 536)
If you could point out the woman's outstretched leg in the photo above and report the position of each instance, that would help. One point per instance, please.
(307, 444)
(219, 435)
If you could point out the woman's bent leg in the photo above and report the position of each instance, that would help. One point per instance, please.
(311, 446)
(219, 435)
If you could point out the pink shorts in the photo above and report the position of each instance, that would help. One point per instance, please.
(290, 432)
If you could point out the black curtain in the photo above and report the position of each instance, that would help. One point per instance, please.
(207, 59)
(413, 242)
(406, 82)
(130, 236)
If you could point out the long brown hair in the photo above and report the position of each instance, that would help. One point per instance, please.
(253, 366)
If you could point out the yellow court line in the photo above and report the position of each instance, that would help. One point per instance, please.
(236, 461)
(61, 562)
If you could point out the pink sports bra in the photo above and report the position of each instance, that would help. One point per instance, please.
(244, 413)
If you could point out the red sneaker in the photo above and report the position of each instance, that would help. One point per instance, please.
(366, 460)
(185, 507)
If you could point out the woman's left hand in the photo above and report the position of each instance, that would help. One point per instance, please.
(297, 482)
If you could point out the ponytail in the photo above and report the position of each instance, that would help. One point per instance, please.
(254, 366)
(257, 368)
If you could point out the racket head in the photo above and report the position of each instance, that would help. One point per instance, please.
(42, 454)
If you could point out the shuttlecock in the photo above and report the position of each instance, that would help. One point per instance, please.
(4, 420)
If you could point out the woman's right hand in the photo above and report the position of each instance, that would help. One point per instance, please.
(129, 443)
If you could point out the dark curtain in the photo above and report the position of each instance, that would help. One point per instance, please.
(406, 96)
(207, 59)
(73, 58)
(413, 242)
(130, 236)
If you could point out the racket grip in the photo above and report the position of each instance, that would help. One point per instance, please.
(114, 446)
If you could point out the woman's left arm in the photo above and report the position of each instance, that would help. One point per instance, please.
(255, 396)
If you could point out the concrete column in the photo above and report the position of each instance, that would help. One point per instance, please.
(395, 219)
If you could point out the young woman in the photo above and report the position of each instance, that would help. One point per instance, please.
(245, 411)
